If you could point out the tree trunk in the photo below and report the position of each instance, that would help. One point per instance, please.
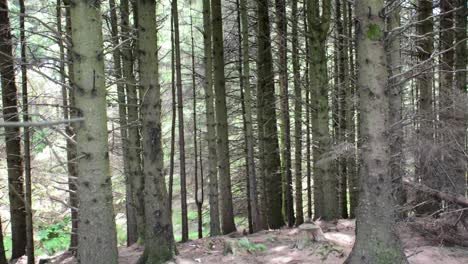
(159, 240)
(227, 214)
(247, 102)
(297, 114)
(376, 238)
(12, 136)
(97, 232)
(72, 166)
(210, 122)
(281, 26)
(180, 106)
(174, 116)
(136, 211)
(308, 117)
(26, 141)
(268, 134)
(395, 104)
(424, 86)
(325, 182)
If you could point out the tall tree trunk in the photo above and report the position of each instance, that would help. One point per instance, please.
(12, 137)
(267, 120)
(174, 116)
(325, 182)
(376, 238)
(281, 26)
(210, 122)
(249, 137)
(424, 86)
(343, 89)
(351, 117)
(395, 104)
(26, 140)
(180, 106)
(159, 239)
(70, 112)
(227, 211)
(297, 114)
(97, 232)
(308, 117)
(195, 143)
(3, 259)
(136, 210)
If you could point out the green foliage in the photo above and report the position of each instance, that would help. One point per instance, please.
(39, 140)
(250, 246)
(55, 237)
(374, 32)
(121, 234)
(7, 245)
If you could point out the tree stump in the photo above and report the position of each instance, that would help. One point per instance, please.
(309, 233)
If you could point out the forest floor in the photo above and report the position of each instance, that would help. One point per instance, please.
(281, 247)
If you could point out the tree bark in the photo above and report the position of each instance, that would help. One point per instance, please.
(12, 137)
(227, 211)
(159, 239)
(136, 211)
(210, 122)
(3, 259)
(281, 27)
(72, 166)
(180, 106)
(268, 131)
(26, 140)
(376, 238)
(325, 182)
(97, 232)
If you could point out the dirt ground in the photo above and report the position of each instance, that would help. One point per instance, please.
(282, 247)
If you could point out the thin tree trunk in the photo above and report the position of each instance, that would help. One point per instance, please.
(12, 137)
(308, 118)
(297, 114)
(281, 27)
(174, 116)
(210, 122)
(325, 182)
(26, 141)
(227, 211)
(136, 211)
(395, 110)
(71, 133)
(268, 134)
(199, 199)
(376, 238)
(97, 232)
(195, 145)
(159, 239)
(424, 86)
(180, 106)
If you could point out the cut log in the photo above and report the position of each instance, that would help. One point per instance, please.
(309, 233)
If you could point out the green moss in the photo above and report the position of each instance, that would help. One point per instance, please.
(387, 255)
(374, 32)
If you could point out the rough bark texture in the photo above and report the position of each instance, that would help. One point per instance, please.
(97, 232)
(159, 240)
(180, 107)
(26, 140)
(281, 28)
(395, 106)
(376, 238)
(71, 132)
(297, 114)
(424, 86)
(135, 211)
(12, 136)
(227, 214)
(268, 135)
(325, 182)
(210, 123)
(249, 137)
